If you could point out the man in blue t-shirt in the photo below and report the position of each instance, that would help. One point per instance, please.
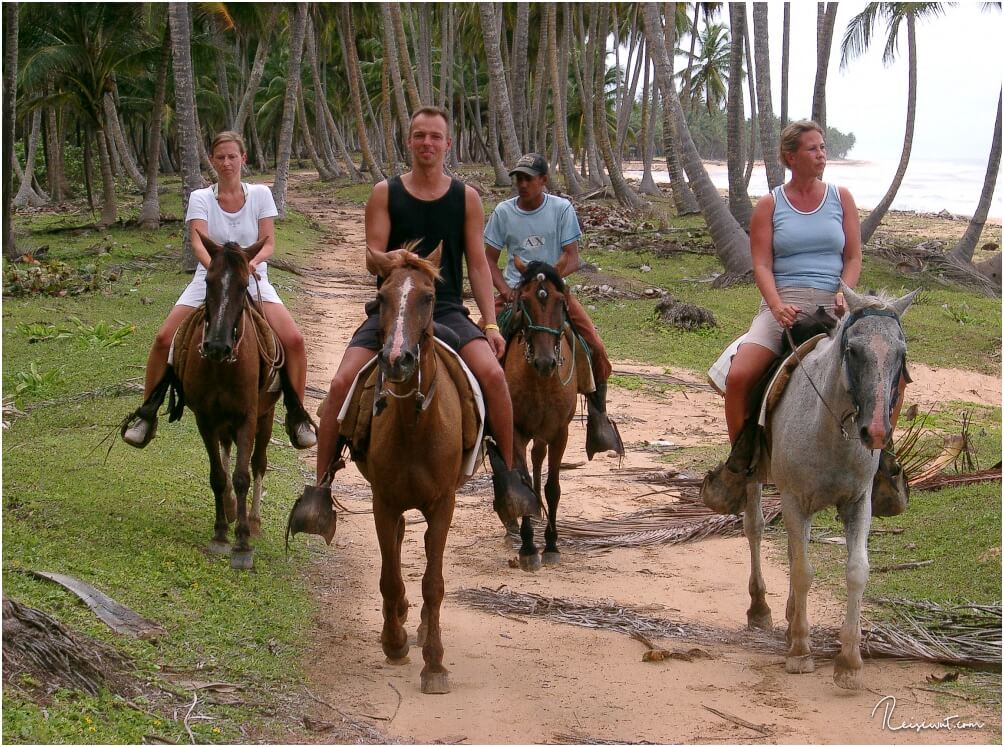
(537, 225)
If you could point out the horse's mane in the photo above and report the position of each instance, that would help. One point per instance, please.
(537, 267)
(398, 261)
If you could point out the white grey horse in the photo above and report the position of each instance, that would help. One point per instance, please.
(823, 451)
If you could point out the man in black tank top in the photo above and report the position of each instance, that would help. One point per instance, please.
(427, 205)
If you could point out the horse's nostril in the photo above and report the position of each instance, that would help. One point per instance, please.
(865, 436)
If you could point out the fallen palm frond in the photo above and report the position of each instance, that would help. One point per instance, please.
(931, 259)
(962, 636)
(10, 412)
(576, 738)
(686, 520)
(129, 386)
(924, 460)
(937, 482)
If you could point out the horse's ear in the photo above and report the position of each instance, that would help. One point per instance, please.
(900, 305)
(381, 263)
(211, 246)
(436, 255)
(519, 264)
(854, 301)
(252, 251)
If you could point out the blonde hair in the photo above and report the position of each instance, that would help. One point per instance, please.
(791, 136)
(228, 136)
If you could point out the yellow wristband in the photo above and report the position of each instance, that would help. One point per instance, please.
(492, 326)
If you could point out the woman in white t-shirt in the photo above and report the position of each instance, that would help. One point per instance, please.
(235, 211)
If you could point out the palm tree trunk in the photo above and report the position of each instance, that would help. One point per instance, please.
(391, 58)
(558, 90)
(768, 133)
(125, 154)
(184, 108)
(149, 214)
(423, 52)
(386, 120)
(966, 247)
(824, 40)
(321, 113)
(582, 68)
(785, 59)
(542, 73)
(684, 199)
(649, 104)
(502, 178)
(26, 194)
(9, 111)
(732, 245)
(625, 195)
(297, 30)
(686, 93)
(520, 46)
(109, 207)
(405, 58)
(625, 104)
(346, 30)
(739, 200)
(874, 218)
(498, 99)
(751, 83)
(308, 139)
(257, 70)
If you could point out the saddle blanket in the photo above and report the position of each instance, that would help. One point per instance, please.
(356, 413)
(780, 379)
(183, 337)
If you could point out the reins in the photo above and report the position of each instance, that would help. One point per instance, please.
(838, 421)
(422, 401)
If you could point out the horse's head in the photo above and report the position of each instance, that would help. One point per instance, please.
(407, 299)
(227, 280)
(540, 314)
(873, 349)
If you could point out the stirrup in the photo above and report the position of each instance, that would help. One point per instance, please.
(890, 489)
(601, 432)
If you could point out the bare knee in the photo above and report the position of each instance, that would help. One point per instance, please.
(293, 342)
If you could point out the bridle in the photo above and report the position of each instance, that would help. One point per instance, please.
(844, 345)
(529, 325)
(422, 401)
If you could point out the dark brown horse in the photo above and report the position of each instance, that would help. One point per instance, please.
(540, 371)
(414, 456)
(224, 380)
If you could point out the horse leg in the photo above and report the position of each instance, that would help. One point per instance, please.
(390, 528)
(799, 657)
(435, 677)
(847, 668)
(242, 556)
(259, 464)
(229, 500)
(758, 614)
(552, 491)
(529, 559)
(218, 481)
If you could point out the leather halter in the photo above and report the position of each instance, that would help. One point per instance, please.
(851, 320)
(529, 325)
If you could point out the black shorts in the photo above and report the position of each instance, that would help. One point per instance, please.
(457, 318)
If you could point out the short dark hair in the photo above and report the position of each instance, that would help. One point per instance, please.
(431, 111)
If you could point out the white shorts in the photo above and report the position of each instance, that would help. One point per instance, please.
(195, 294)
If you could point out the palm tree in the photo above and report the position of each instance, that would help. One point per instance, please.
(684, 199)
(739, 200)
(559, 102)
(498, 100)
(184, 115)
(710, 75)
(967, 245)
(244, 110)
(26, 194)
(731, 243)
(826, 19)
(149, 214)
(785, 57)
(297, 30)
(9, 110)
(346, 31)
(768, 133)
(709, 11)
(857, 39)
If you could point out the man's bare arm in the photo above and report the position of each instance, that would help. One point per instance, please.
(377, 224)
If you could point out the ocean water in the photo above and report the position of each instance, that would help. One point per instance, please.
(929, 186)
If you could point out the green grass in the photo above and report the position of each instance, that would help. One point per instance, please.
(134, 524)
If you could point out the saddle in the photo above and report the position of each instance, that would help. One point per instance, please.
(356, 415)
(270, 353)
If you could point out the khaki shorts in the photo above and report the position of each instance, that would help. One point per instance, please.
(766, 332)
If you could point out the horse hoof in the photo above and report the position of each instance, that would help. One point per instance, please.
(760, 621)
(216, 547)
(435, 683)
(529, 562)
(848, 679)
(399, 661)
(242, 560)
(552, 558)
(799, 664)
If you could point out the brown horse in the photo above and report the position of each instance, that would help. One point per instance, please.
(542, 383)
(414, 456)
(224, 381)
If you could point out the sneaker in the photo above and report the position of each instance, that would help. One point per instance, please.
(139, 432)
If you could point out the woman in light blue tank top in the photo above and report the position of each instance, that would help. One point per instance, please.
(805, 237)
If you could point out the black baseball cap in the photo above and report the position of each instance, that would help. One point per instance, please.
(532, 164)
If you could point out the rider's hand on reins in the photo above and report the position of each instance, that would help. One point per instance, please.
(785, 314)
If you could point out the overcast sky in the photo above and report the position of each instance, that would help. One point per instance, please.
(960, 62)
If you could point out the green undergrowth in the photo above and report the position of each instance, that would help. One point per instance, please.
(135, 523)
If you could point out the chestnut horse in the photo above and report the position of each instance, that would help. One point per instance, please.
(414, 458)
(224, 381)
(540, 371)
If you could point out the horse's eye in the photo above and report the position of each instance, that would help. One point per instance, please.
(428, 298)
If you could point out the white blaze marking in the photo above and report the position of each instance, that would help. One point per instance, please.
(226, 295)
(398, 341)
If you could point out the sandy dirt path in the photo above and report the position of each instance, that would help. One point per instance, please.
(525, 680)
